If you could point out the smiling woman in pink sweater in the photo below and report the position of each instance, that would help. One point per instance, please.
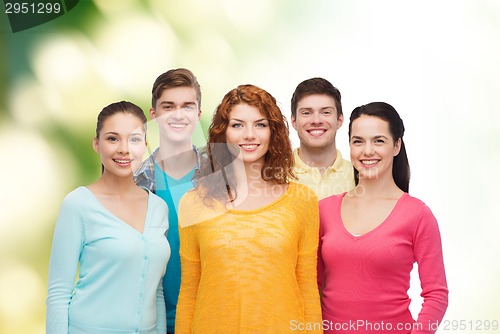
(371, 236)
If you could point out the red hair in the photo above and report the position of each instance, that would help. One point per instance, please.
(278, 161)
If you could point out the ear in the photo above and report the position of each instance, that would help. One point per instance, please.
(340, 121)
(294, 122)
(95, 145)
(397, 147)
(152, 113)
(199, 114)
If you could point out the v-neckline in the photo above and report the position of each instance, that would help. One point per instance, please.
(119, 219)
(373, 230)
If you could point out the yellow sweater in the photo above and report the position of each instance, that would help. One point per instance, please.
(249, 271)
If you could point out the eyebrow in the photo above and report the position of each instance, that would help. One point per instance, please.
(321, 108)
(183, 103)
(242, 121)
(117, 134)
(374, 137)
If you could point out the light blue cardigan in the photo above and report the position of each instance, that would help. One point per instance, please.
(119, 285)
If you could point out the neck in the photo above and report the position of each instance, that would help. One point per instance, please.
(115, 185)
(176, 160)
(169, 149)
(248, 176)
(321, 157)
(377, 188)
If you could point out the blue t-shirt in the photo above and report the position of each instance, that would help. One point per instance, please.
(171, 190)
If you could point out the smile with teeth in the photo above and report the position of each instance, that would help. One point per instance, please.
(316, 132)
(122, 161)
(177, 125)
(249, 146)
(369, 162)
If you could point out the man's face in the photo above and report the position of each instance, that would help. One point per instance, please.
(316, 121)
(177, 112)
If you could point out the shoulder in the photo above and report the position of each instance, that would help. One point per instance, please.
(416, 213)
(193, 209)
(331, 200)
(301, 199)
(189, 202)
(342, 163)
(300, 190)
(76, 206)
(77, 197)
(415, 205)
(190, 197)
(192, 203)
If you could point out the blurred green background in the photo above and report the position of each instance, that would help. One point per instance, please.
(436, 62)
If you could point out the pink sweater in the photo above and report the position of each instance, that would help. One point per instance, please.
(365, 279)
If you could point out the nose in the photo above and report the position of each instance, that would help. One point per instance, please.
(178, 113)
(123, 147)
(368, 149)
(249, 133)
(316, 118)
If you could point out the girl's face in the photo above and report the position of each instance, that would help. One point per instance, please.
(121, 144)
(372, 147)
(248, 133)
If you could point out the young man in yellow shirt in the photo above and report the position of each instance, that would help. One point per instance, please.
(316, 116)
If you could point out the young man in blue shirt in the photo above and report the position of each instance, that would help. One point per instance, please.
(168, 172)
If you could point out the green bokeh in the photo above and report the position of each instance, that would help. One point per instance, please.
(274, 44)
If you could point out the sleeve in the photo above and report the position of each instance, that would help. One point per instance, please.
(429, 256)
(190, 271)
(307, 262)
(67, 246)
(161, 316)
(161, 313)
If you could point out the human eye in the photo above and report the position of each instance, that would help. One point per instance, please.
(190, 107)
(379, 141)
(112, 138)
(236, 125)
(167, 107)
(305, 113)
(261, 125)
(356, 141)
(136, 139)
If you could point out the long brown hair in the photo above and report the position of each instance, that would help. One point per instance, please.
(278, 161)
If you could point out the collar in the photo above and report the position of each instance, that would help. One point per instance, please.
(302, 167)
(147, 167)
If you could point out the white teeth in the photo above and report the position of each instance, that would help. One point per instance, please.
(178, 126)
(369, 162)
(248, 147)
(317, 132)
(122, 161)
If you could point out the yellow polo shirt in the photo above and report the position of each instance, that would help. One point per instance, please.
(337, 178)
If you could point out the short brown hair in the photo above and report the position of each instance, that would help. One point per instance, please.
(316, 86)
(180, 77)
